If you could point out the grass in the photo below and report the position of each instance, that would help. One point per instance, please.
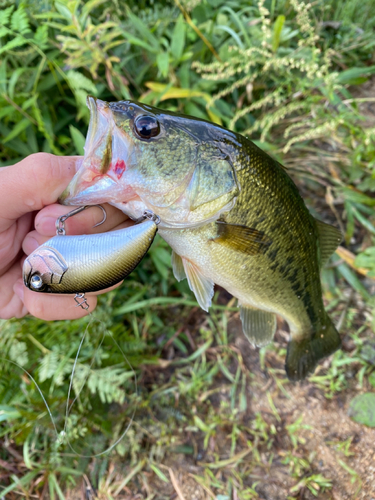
(210, 414)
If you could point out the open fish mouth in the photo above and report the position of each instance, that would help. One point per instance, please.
(100, 178)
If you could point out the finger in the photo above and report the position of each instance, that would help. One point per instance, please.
(11, 241)
(11, 305)
(34, 239)
(81, 223)
(33, 183)
(55, 307)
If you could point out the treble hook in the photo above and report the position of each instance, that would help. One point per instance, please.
(60, 221)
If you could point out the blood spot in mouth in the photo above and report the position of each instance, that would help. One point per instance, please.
(119, 168)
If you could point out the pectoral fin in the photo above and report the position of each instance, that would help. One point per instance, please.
(202, 287)
(258, 326)
(329, 239)
(241, 238)
(178, 267)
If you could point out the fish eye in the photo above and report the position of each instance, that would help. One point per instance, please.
(147, 126)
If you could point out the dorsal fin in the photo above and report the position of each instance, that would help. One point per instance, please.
(241, 238)
(329, 239)
(258, 326)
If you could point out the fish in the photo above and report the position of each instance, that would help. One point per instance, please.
(231, 214)
(87, 263)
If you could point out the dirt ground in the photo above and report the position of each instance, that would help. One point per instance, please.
(329, 425)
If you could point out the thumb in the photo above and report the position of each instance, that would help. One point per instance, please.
(33, 183)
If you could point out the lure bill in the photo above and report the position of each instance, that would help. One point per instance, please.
(87, 263)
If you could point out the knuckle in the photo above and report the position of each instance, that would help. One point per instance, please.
(38, 165)
(52, 173)
(39, 158)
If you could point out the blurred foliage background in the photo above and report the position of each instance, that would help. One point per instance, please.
(295, 77)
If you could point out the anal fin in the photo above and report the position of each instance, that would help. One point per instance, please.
(303, 355)
(202, 287)
(258, 326)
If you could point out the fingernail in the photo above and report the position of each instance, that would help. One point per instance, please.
(19, 289)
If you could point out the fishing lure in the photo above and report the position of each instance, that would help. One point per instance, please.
(88, 263)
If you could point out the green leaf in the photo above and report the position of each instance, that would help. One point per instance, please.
(349, 76)
(78, 139)
(89, 6)
(137, 41)
(178, 38)
(3, 76)
(14, 79)
(277, 29)
(20, 127)
(199, 352)
(357, 197)
(64, 11)
(54, 485)
(352, 279)
(26, 479)
(41, 36)
(200, 424)
(8, 413)
(162, 60)
(159, 473)
(143, 30)
(362, 409)
(366, 259)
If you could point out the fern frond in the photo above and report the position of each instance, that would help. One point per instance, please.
(41, 36)
(5, 15)
(19, 21)
(107, 382)
(49, 365)
(18, 41)
(78, 81)
(18, 352)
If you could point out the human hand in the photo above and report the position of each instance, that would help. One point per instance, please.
(34, 185)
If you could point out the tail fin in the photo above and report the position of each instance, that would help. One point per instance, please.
(303, 356)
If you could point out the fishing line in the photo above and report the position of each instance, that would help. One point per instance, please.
(68, 407)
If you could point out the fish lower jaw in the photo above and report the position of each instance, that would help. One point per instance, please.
(134, 208)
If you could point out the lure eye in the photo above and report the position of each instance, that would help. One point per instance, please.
(36, 282)
(147, 127)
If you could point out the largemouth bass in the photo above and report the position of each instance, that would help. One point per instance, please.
(87, 263)
(229, 211)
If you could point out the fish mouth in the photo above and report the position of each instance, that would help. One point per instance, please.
(101, 176)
